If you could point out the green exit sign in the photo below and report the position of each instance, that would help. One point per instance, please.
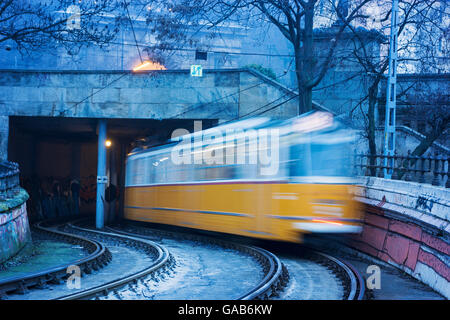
(196, 70)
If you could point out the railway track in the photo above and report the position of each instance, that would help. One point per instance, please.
(98, 256)
(162, 259)
(353, 283)
(274, 280)
(275, 274)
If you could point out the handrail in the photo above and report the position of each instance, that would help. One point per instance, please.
(431, 170)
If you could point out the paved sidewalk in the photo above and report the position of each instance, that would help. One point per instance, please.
(395, 284)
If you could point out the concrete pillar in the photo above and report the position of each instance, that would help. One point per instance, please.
(121, 178)
(112, 181)
(4, 136)
(101, 175)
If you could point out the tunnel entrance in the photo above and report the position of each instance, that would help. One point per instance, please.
(58, 160)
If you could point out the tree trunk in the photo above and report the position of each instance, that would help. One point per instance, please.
(423, 146)
(429, 139)
(305, 61)
(305, 97)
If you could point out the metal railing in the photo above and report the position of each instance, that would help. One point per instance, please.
(9, 179)
(431, 170)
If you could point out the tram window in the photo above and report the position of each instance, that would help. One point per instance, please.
(331, 160)
(210, 173)
(184, 172)
(129, 172)
(151, 169)
(138, 176)
(246, 171)
(160, 169)
(300, 156)
(229, 172)
(173, 171)
(148, 170)
(199, 172)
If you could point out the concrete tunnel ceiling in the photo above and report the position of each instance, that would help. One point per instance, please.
(85, 129)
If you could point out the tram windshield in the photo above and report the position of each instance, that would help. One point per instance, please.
(322, 155)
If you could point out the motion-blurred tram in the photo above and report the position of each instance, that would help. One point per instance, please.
(271, 179)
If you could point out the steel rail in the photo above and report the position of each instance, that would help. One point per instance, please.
(162, 259)
(98, 257)
(356, 283)
(269, 284)
(276, 274)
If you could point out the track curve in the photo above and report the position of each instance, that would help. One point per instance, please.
(275, 274)
(98, 257)
(162, 259)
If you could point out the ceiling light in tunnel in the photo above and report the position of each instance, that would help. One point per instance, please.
(108, 143)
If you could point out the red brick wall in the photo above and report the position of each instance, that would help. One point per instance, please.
(404, 243)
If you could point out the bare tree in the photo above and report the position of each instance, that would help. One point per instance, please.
(418, 29)
(434, 110)
(295, 19)
(31, 25)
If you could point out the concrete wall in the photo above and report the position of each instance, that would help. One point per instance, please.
(219, 94)
(4, 130)
(407, 225)
(406, 139)
(14, 227)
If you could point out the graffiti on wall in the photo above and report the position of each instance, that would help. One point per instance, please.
(424, 203)
(14, 232)
(88, 189)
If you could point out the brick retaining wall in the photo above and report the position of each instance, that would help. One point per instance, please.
(410, 237)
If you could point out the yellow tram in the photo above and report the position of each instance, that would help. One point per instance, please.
(258, 177)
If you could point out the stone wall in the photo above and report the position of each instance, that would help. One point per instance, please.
(407, 225)
(14, 231)
(167, 94)
(14, 227)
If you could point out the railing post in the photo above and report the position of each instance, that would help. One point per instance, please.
(385, 166)
(408, 163)
(435, 181)
(447, 184)
(361, 168)
(440, 172)
(416, 169)
(2, 188)
(424, 169)
(367, 166)
(434, 170)
(395, 164)
(380, 166)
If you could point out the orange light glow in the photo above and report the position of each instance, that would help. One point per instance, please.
(326, 221)
(149, 65)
